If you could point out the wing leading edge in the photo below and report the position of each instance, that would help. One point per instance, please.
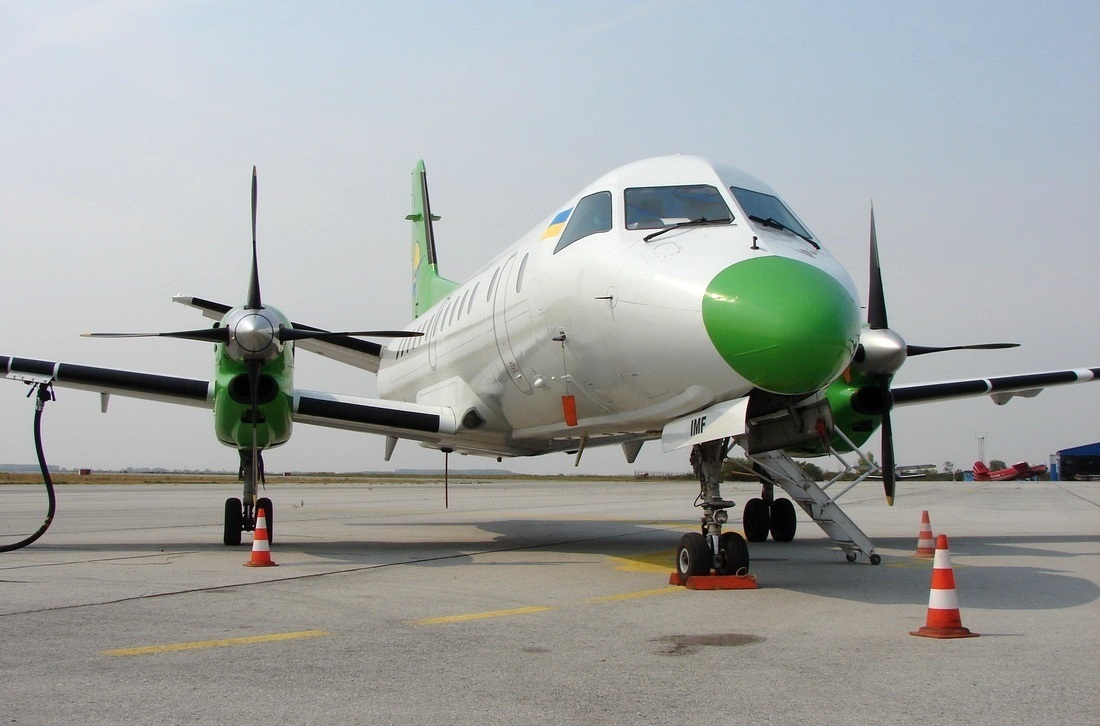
(372, 415)
(1001, 389)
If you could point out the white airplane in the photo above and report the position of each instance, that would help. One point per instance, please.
(672, 300)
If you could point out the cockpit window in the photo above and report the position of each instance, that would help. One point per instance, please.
(591, 215)
(658, 207)
(771, 211)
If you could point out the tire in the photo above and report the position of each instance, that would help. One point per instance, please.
(757, 520)
(231, 536)
(784, 522)
(693, 556)
(735, 554)
(269, 514)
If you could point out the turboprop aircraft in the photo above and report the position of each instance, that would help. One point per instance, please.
(672, 300)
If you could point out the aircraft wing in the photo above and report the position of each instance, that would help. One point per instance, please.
(1000, 389)
(105, 381)
(372, 415)
(345, 349)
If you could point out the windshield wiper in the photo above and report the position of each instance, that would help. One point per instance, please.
(702, 221)
(771, 222)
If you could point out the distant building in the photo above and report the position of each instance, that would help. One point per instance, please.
(1076, 464)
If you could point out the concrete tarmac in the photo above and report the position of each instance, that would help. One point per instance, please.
(539, 602)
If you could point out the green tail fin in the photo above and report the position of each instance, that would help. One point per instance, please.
(428, 287)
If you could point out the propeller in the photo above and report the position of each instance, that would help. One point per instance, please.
(881, 353)
(876, 320)
(254, 335)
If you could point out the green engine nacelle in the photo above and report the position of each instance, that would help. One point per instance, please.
(856, 410)
(233, 412)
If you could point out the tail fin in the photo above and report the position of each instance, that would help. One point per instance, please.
(428, 287)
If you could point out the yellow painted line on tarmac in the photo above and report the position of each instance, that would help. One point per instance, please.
(664, 561)
(223, 643)
(483, 615)
(635, 595)
(543, 608)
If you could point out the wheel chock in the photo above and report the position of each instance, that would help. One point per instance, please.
(715, 582)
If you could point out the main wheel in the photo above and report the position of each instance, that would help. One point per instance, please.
(735, 554)
(757, 520)
(269, 515)
(693, 556)
(783, 520)
(231, 536)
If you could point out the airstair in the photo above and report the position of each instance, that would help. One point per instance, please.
(823, 509)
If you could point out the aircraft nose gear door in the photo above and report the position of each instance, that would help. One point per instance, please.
(726, 552)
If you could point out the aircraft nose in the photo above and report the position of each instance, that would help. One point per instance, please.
(784, 325)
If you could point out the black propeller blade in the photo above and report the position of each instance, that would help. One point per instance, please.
(911, 350)
(876, 299)
(211, 335)
(254, 282)
(254, 369)
(876, 319)
(888, 467)
(287, 334)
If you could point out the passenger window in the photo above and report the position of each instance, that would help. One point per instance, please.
(522, 269)
(591, 216)
(489, 290)
(472, 296)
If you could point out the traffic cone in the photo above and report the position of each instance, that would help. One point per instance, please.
(926, 545)
(943, 619)
(261, 550)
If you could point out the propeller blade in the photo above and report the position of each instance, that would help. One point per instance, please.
(210, 335)
(254, 282)
(254, 368)
(912, 350)
(876, 300)
(288, 334)
(888, 468)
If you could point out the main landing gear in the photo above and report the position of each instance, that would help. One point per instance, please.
(724, 552)
(240, 514)
(767, 514)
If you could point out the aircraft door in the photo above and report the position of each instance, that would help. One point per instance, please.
(510, 312)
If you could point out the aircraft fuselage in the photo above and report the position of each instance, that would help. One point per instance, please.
(639, 320)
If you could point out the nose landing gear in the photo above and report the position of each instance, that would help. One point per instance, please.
(711, 549)
(240, 514)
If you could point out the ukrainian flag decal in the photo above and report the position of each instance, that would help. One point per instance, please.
(556, 224)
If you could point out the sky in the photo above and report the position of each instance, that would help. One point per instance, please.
(130, 129)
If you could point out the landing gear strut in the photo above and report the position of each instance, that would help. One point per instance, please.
(699, 552)
(240, 514)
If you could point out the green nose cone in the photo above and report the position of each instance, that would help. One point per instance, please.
(784, 325)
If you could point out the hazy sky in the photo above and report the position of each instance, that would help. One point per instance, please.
(129, 131)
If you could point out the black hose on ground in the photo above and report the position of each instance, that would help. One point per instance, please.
(45, 393)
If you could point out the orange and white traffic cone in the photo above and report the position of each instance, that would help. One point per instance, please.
(926, 545)
(261, 549)
(943, 619)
